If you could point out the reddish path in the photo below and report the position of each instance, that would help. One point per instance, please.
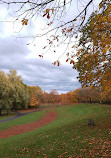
(49, 117)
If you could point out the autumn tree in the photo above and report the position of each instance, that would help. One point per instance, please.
(106, 92)
(46, 99)
(54, 97)
(72, 97)
(69, 97)
(94, 49)
(36, 96)
(88, 95)
(64, 99)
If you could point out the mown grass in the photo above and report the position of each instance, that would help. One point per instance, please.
(67, 136)
(5, 117)
(22, 120)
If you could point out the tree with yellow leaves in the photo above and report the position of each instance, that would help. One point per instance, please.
(94, 49)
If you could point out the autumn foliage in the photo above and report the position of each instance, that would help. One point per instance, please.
(94, 50)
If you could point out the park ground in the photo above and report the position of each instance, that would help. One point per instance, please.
(67, 136)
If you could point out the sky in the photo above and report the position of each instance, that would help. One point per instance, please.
(16, 54)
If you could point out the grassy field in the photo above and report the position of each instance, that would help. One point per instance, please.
(22, 120)
(3, 117)
(68, 136)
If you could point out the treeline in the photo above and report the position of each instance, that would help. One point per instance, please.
(15, 95)
(87, 95)
(81, 95)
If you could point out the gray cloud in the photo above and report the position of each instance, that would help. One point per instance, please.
(36, 71)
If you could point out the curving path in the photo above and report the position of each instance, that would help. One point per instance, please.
(49, 117)
(22, 114)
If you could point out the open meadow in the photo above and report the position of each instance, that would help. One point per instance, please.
(68, 136)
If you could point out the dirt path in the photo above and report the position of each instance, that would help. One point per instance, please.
(49, 117)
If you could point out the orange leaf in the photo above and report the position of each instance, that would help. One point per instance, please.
(44, 14)
(24, 21)
(47, 11)
(71, 62)
(54, 63)
(52, 11)
(48, 17)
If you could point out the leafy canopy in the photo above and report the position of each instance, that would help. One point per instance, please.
(94, 50)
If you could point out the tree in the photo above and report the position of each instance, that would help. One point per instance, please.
(54, 97)
(88, 95)
(106, 92)
(14, 94)
(94, 57)
(5, 93)
(36, 96)
(45, 97)
(20, 95)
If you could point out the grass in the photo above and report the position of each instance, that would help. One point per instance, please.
(68, 136)
(22, 120)
(5, 117)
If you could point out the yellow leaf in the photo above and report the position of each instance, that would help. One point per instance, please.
(103, 36)
(47, 10)
(105, 49)
(52, 11)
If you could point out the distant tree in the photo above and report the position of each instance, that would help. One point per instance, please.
(64, 99)
(71, 96)
(14, 94)
(5, 93)
(88, 95)
(54, 97)
(45, 97)
(20, 94)
(36, 96)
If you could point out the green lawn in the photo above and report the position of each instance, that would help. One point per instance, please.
(5, 117)
(68, 136)
(22, 120)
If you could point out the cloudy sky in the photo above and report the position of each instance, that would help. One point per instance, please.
(16, 54)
